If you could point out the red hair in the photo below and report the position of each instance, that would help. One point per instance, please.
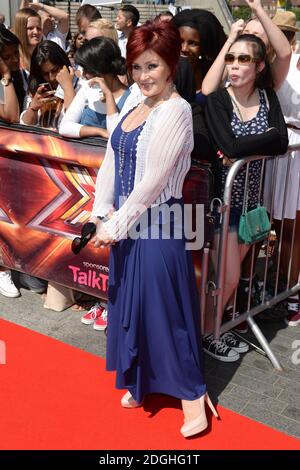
(161, 37)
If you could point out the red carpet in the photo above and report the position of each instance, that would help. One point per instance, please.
(54, 396)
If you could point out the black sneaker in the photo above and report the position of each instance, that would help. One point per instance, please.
(243, 293)
(242, 296)
(219, 350)
(234, 343)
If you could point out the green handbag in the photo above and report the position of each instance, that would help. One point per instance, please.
(254, 225)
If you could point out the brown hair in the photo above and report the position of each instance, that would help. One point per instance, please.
(20, 30)
(87, 11)
(264, 78)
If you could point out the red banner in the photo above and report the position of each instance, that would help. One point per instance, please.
(47, 188)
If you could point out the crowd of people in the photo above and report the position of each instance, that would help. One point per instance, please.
(160, 92)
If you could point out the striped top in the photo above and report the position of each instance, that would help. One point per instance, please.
(163, 159)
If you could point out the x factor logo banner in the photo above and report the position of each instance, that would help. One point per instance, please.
(47, 189)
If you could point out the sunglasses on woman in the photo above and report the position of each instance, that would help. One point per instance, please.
(243, 59)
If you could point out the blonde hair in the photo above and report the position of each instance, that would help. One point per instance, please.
(270, 50)
(20, 30)
(105, 27)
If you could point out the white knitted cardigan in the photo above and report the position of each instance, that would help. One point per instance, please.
(162, 161)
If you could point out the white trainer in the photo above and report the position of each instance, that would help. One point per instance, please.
(7, 287)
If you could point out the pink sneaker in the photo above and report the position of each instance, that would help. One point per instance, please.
(293, 318)
(101, 323)
(92, 315)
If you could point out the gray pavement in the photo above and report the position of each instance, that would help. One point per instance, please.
(250, 387)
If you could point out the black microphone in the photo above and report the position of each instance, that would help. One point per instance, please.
(87, 232)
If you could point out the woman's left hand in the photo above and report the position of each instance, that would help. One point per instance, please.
(254, 5)
(236, 29)
(102, 237)
(65, 76)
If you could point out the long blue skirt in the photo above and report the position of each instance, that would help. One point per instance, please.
(154, 338)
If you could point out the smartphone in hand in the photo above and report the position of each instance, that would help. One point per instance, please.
(46, 87)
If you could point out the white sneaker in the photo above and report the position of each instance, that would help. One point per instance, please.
(7, 287)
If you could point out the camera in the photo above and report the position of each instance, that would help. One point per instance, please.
(87, 232)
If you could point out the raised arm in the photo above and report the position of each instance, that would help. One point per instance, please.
(24, 4)
(65, 79)
(58, 14)
(280, 44)
(216, 74)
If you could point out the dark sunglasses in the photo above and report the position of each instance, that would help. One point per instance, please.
(243, 59)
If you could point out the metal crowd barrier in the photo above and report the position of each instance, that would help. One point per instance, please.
(212, 287)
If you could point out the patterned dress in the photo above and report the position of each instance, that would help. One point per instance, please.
(153, 338)
(256, 125)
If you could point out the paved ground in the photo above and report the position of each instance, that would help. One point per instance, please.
(250, 387)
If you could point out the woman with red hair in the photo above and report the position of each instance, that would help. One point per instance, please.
(153, 339)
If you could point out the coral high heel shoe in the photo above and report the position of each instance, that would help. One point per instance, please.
(199, 424)
(127, 401)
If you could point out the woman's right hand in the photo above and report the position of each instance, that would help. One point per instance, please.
(228, 161)
(254, 5)
(41, 97)
(101, 237)
(101, 83)
(65, 76)
(236, 29)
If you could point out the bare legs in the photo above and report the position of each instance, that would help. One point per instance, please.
(191, 409)
(195, 420)
(235, 254)
(246, 267)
